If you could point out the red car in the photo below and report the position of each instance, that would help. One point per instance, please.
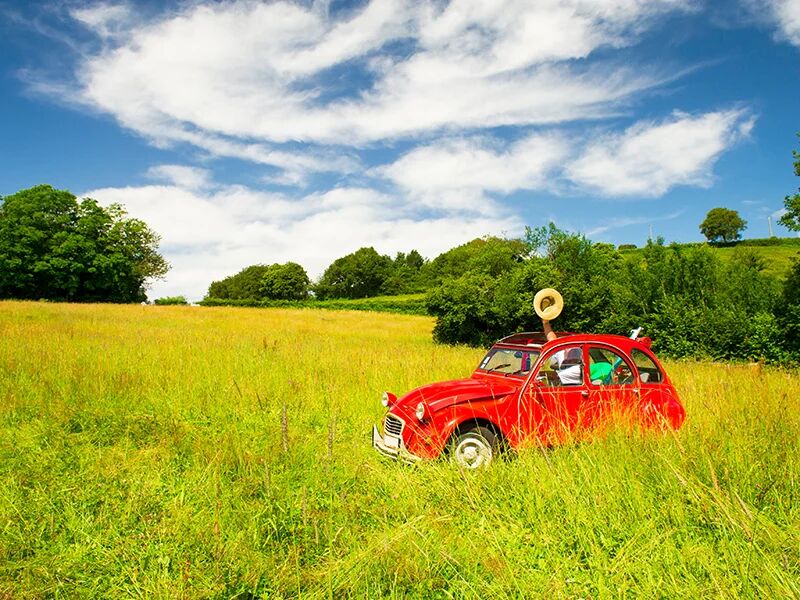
(527, 391)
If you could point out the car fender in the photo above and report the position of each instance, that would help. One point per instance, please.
(463, 413)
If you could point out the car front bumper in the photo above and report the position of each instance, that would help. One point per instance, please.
(390, 451)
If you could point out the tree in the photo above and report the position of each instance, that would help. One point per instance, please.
(490, 255)
(357, 275)
(405, 275)
(791, 218)
(285, 282)
(245, 285)
(722, 224)
(54, 247)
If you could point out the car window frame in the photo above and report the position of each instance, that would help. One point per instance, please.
(620, 352)
(549, 353)
(650, 356)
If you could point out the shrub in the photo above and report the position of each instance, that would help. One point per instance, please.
(171, 300)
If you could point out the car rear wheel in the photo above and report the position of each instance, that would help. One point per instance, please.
(474, 448)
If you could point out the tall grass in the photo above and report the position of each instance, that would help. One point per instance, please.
(224, 452)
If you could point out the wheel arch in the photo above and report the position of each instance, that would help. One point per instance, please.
(470, 423)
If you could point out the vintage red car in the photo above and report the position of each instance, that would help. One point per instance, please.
(528, 391)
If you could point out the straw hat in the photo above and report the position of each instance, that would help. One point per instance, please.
(548, 304)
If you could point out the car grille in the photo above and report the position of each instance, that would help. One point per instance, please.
(392, 425)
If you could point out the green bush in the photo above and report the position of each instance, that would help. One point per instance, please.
(689, 301)
(171, 300)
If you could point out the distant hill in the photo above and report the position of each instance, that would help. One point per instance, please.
(778, 253)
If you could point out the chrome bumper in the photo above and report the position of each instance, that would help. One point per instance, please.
(400, 453)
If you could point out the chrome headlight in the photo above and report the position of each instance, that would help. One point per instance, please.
(420, 411)
(388, 398)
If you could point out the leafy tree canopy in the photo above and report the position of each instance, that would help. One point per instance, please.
(722, 224)
(791, 218)
(357, 275)
(285, 282)
(489, 255)
(54, 247)
(245, 285)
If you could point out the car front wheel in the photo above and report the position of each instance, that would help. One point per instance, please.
(475, 448)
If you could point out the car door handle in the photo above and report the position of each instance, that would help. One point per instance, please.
(585, 393)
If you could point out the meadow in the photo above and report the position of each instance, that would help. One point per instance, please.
(192, 452)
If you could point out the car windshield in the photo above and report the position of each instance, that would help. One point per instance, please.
(509, 361)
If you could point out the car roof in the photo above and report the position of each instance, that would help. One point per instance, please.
(539, 339)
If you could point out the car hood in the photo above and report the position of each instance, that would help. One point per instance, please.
(458, 391)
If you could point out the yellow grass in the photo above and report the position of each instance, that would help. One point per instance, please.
(142, 454)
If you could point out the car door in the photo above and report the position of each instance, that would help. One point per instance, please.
(558, 392)
(613, 388)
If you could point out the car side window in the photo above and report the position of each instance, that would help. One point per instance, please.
(608, 367)
(562, 368)
(648, 370)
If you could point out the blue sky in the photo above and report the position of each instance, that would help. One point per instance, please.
(256, 132)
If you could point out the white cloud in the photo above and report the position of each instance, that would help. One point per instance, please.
(207, 235)
(456, 173)
(191, 178)
(259, 72)
(106, 20)
(784, 15)
(649, 158)
(620, 222)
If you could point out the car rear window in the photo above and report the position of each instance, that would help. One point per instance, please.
(648, 370)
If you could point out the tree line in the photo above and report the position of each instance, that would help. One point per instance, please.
(54, 247)
(366, 273)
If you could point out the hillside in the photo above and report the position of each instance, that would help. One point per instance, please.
(777, 253)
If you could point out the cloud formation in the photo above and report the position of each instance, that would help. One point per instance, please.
(279, 72)
(785, 15)
(649, 158)
(457, 173)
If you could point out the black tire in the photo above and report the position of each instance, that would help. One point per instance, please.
(474, 448)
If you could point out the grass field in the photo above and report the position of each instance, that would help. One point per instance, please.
(778, 255)
(186, 452)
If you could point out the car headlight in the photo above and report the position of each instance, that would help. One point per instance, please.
(420, 411)
(388, 398)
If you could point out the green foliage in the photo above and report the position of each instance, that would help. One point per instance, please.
(490, 256)
(791, 218)
(463, 306)
(357, 275)
(789, 309)
(284, 282)
(245, 285)
(623, 247)
(171, 301)
(722, 225)
(406, 274)
(688, 300)
(54, 247)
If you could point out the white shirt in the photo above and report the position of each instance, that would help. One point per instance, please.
(569, 375)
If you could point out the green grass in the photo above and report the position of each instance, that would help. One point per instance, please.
(409, 304)
(143, 453)
(778, 254)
